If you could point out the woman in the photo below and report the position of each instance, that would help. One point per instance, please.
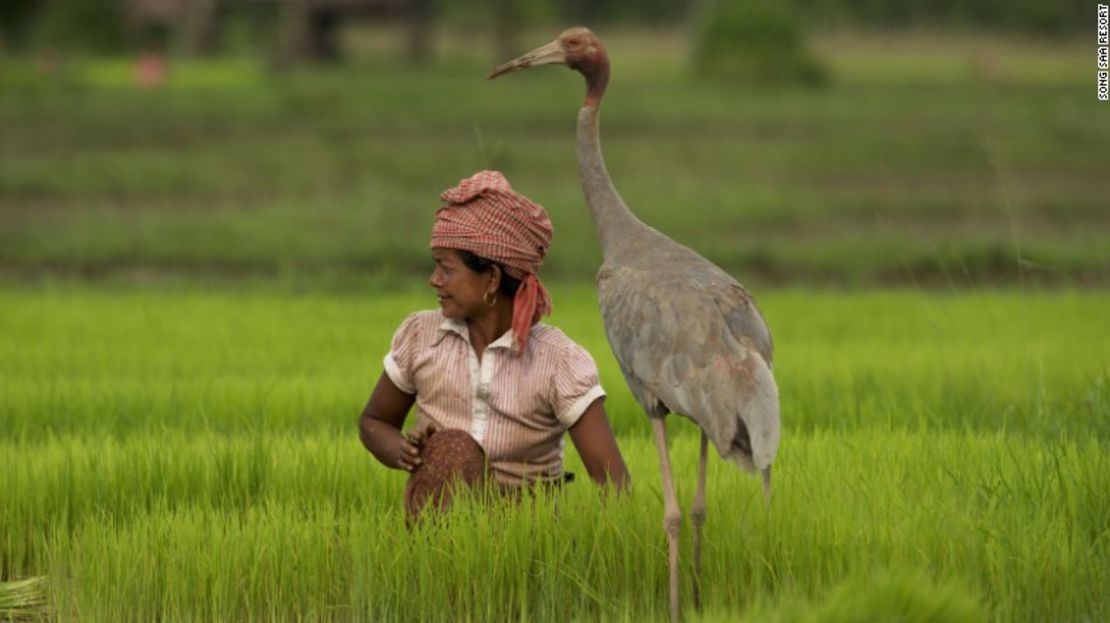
(483, 363)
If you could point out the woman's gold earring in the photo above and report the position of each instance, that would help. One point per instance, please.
(489, 303)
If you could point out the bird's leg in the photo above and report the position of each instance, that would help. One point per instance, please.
(672, 515)
(767, 487)
(697, 517)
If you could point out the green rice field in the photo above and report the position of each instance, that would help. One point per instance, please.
(198, 284)
(191, 454)
(910, 168)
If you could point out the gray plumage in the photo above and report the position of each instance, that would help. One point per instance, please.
(688, 337)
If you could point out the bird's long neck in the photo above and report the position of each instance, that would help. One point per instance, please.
(617, 228)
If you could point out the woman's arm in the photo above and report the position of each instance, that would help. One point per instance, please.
(379, 427)
(598, 448)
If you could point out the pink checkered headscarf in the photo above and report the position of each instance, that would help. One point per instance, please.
(485, 216)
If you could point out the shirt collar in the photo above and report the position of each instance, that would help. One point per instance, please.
(458, 327)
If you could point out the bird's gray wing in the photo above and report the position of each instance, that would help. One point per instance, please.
(624, 312)
(739, 311)
(679, 352)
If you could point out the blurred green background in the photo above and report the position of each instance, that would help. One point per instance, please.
(826, 143)
(214, 214)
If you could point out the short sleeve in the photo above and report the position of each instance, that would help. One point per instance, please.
(575, 385)
(398, 362)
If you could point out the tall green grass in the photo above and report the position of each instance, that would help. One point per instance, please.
(78, 360)
(180, 454)
(179, 525)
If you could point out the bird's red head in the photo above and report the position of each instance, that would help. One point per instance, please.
(578, 48)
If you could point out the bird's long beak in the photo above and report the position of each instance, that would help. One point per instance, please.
(549, 54)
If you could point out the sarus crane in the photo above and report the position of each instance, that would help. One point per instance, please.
(688, 337)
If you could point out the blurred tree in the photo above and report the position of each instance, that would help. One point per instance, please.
(17, 22)
(421, 15)
(96, 25)
(587, 12)
(758, 41)
(1031, 16)
(310, 28)
(203, 22)
(506, 25)
(292, 34)
(573, 11)
(503, 20)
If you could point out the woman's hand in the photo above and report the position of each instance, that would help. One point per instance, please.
(380, 427)
(411, 445)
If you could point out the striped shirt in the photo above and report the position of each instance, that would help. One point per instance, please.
(517, 405)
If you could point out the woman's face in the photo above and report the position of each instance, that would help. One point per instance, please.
(459, 289)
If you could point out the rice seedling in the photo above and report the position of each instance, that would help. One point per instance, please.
(193, 455)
